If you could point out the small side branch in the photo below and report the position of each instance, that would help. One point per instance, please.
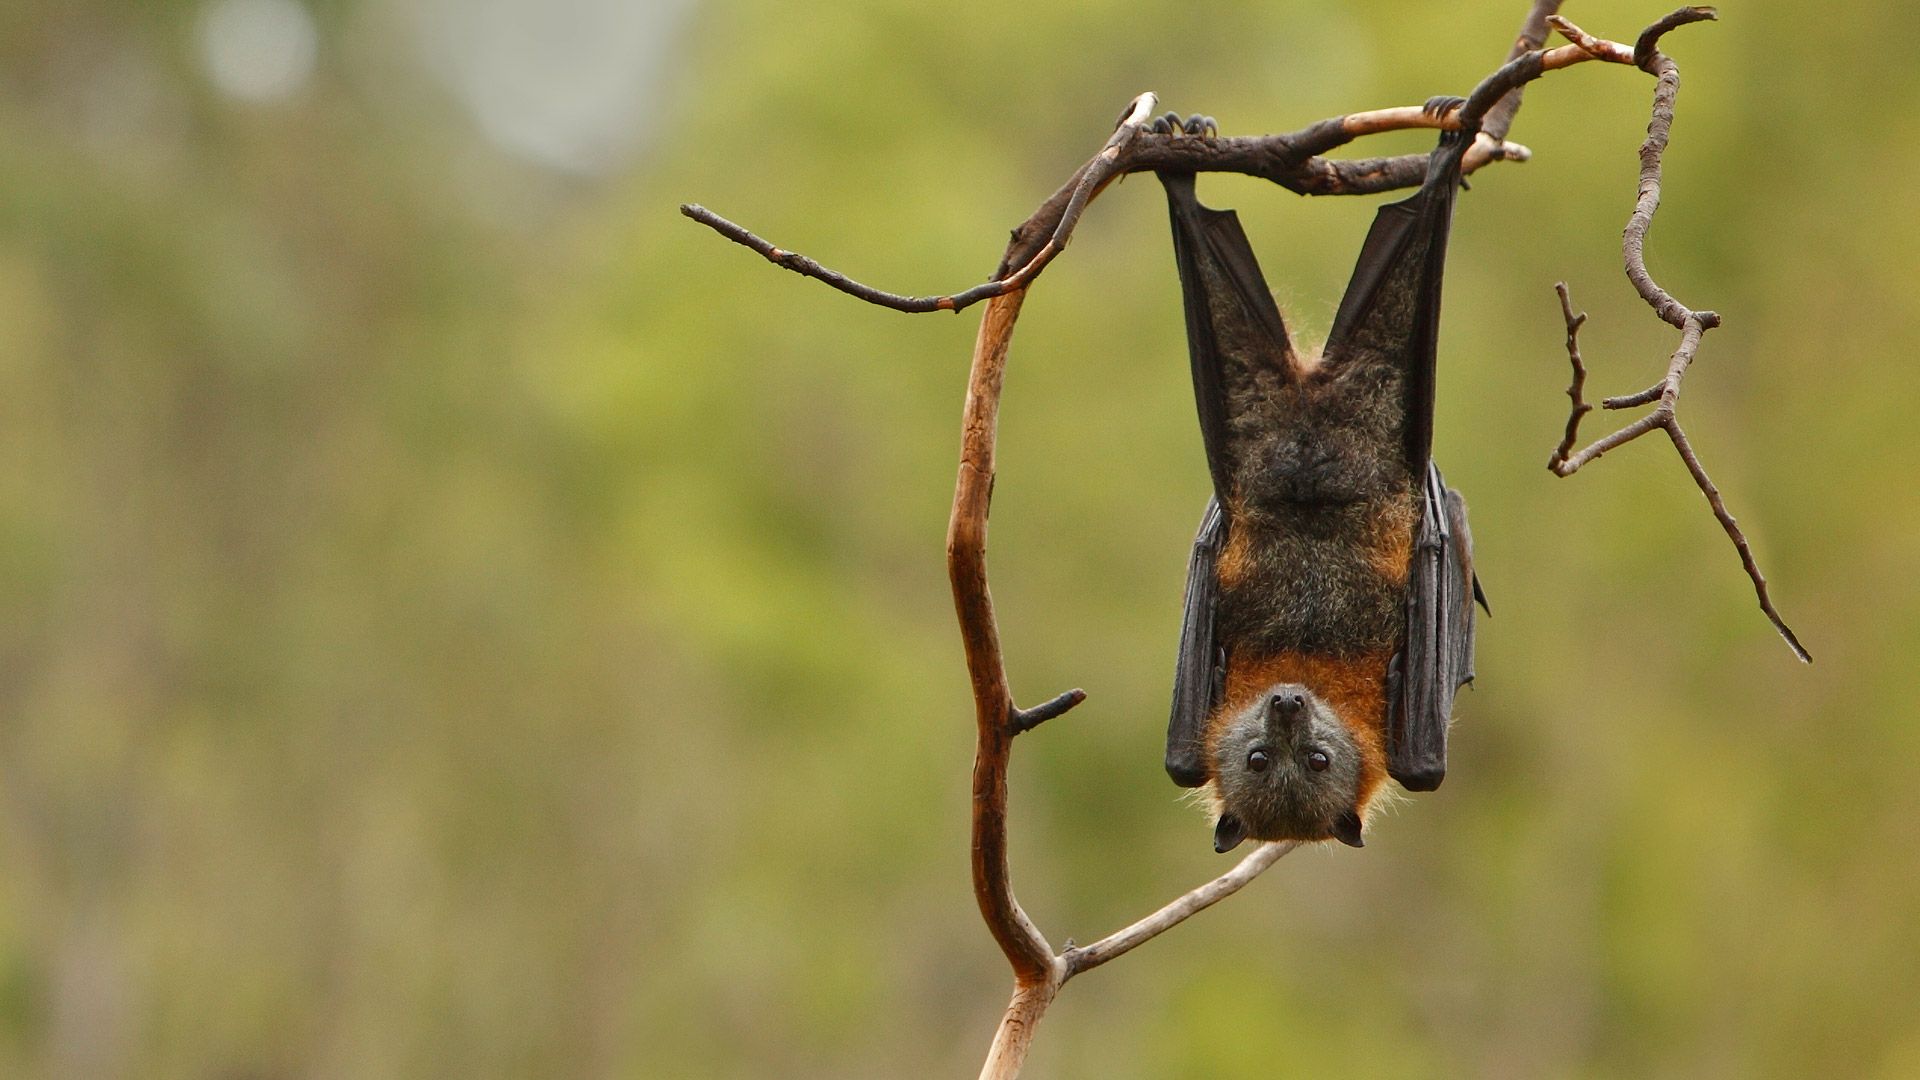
(806, 267)
(1664, 395)
(1121, 942)
(1577, 388)
(1025, 720)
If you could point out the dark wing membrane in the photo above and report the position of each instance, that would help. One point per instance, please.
(1436, 659)
(1200, 667)
(1390, 314)
(1235, 336)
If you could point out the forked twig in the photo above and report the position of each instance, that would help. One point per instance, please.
(1577, 388)
(1693, 325)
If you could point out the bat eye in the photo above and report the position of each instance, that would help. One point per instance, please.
(1258, 761)
(1318, 761)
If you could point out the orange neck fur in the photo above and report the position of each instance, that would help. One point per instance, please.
(1355, 686)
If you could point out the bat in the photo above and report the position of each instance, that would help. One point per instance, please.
(1328, 620)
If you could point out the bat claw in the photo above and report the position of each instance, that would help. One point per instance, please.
(1442, 104)
(1197, 125)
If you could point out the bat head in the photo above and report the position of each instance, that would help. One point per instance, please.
(1286, 768)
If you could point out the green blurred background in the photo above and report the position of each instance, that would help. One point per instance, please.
(462, 619)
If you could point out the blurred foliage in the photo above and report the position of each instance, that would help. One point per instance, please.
(462, 619)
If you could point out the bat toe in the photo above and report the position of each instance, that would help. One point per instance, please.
(1196, 125)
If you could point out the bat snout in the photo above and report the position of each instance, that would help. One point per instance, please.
(1286, 705)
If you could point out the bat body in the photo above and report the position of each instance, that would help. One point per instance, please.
(1329, 616)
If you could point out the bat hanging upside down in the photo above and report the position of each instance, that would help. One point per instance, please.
(1329, 608)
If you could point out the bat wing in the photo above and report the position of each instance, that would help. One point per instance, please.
(1239, 349)
(1390, 315)
(1389, 320)
(1235, 336)
(1436, 658)
(1201, 667)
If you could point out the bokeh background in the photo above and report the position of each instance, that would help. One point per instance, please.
(459, 618)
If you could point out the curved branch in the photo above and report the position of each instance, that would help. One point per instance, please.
(994, 713)
(1692, 325)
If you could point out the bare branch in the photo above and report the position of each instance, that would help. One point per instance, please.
(1121, 942)
(1648, 44)
(806, 267)
(1598, 48)
(1025, 720)
(995, 717)
(1533, 34)
(1015, 1034)
(1575, 389)
(1291, 160)
(1693, 325)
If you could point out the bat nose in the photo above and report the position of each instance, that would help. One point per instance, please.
(1286, 705)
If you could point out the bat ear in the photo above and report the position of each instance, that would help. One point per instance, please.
(1228, 833)
(1346, 829)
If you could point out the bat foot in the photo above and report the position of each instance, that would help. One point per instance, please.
(1198, 125)
(1442, 105)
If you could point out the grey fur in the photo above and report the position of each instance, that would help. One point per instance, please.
(1288, 800)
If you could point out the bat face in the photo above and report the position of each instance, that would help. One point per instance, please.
(1286, 768)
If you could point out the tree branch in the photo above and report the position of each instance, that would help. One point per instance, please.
(994, 713)
(1291, 160)
(1121, 942)
(1692, 325)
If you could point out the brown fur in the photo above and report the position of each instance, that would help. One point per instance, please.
(1236, 558)
(1391, 554)
(1355, 686)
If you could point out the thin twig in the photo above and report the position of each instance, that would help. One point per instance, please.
(806, 267)
(1598, 48)
(1693, 325)
(1292, 160)
(1025, 720)
(1121, 942)
(1575, 389)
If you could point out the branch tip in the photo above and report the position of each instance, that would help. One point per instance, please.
(1025, 720)
(1648, 45)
